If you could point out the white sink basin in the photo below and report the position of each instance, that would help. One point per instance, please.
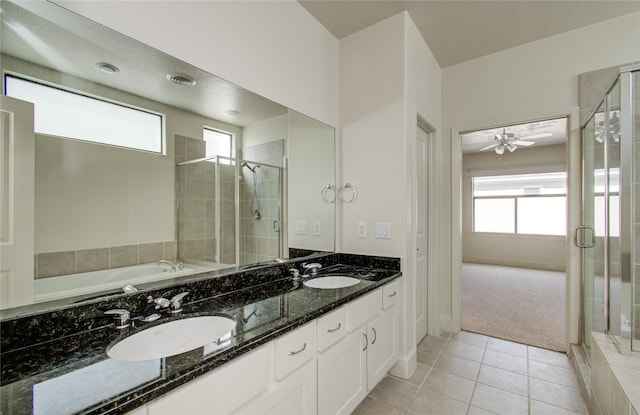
(171, 338)
(332, 282)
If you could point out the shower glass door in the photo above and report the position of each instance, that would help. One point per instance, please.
(228, 211)
(609, 234)
(591, 236)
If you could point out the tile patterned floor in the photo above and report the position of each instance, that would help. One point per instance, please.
(472, 374)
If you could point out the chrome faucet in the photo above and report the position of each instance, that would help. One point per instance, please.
(311, 269)
(174, 267)
(176, 302)
(120, 316)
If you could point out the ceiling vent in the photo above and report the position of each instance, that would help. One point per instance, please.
(183, 80)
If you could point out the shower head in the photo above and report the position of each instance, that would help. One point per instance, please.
(253, 169)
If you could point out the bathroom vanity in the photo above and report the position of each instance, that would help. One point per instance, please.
(294, 349)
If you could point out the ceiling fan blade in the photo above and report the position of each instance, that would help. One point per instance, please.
(491, 146)
(523, 143)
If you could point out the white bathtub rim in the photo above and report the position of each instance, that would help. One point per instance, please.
(107, 286)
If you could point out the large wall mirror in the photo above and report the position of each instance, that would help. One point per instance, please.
(229, 178)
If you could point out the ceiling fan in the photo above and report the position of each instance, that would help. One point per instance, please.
(511, 142)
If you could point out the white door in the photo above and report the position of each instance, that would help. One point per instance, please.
(421, 235)
(17, 182)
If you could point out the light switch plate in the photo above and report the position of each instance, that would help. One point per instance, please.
(383, 230)
(317, 228)
(301, 227)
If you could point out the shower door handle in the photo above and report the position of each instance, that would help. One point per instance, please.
(582, 244)
(276, 225)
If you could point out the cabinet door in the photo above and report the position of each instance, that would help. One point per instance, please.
(342, 375)
(382, 351)
(224, 389)
(295, 395)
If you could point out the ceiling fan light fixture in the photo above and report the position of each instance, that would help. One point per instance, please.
(511, 147)
(500, 149)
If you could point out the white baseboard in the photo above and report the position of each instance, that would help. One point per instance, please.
(515, 263)
(405, 365)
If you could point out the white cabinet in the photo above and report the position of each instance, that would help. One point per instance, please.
(326, 367)
(342, 376)
(295, 395)
(332, 327)
(224, 389)
(348, 370)
(293, 386)
(278, 378)
(382, 349)
(294, 349)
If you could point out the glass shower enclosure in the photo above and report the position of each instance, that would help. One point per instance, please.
(610, 234)
(228, 212)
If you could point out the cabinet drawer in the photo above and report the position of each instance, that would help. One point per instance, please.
(331, 328)
(294, 349)
(363, 309)
(390, 293)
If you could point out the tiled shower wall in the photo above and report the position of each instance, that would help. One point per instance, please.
(195, 202)
(53, 264)
(260, 239)
(196, 205)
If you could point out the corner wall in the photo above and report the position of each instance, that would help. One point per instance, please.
(388, 77)
(533, 81)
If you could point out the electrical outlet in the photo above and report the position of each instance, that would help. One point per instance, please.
(317, 228)
(362, 230)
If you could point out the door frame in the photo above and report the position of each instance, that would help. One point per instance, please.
(572, 264)
(431, 255)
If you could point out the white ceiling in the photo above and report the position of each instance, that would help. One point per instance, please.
(458, 31)
(50, 36)
(476, 141)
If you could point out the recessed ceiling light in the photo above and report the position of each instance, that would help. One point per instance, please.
(232, 112)
(183, 80)
(107, 67)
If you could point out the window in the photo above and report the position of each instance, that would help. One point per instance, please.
(63, 113)
(218, 143)
(533, 204)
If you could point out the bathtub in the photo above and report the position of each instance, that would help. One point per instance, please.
(53, 288)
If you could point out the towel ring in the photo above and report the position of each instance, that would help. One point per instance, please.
(352, 188)
(325, 190)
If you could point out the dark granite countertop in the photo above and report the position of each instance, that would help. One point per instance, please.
(69, 372)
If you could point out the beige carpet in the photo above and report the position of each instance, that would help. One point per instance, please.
(522, 305)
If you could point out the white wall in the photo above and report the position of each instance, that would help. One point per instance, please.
(536, 80)
(373, 132)
(311, 149)
(266, 131)
(388, 77)
(274, 48)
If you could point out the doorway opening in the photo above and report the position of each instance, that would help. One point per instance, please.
(514, 230)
